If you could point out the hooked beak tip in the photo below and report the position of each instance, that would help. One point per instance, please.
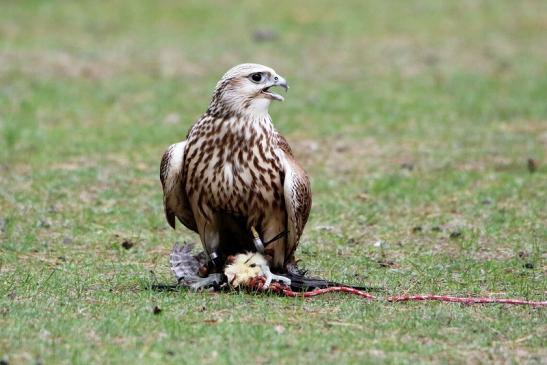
(281, 82)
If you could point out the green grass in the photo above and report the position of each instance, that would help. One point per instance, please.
(414, 119)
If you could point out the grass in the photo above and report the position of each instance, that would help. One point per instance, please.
(415, 120)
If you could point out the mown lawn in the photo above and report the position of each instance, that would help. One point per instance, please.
(423, 125)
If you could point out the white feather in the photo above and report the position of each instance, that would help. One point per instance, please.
(175, 164)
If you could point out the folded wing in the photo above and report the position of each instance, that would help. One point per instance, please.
(297, 193)
(175, 200)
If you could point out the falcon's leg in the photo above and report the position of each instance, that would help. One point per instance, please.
(205, 283)
(269, 277)
(272, 228)
(210, 238)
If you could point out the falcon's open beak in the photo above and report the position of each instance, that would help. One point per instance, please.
(277, 81)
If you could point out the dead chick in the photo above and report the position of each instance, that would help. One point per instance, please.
(243, 267)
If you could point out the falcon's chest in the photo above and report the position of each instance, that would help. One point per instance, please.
(233, 166)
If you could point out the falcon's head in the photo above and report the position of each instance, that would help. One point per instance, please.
(246, 88)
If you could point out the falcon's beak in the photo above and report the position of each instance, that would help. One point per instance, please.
(277, 81)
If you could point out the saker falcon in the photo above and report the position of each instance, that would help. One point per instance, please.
(235, 175)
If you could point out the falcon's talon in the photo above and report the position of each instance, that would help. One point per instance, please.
(269, 277)
(206, 283)
(215, 259)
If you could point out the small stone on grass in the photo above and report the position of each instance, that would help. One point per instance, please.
(456, 234)
(532, 165)
(265, 35)
(407, 166)
(127, 244)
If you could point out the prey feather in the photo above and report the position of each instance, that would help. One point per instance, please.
(185, 265)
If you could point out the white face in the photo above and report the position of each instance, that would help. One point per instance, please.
(246, 88)
(244, 267)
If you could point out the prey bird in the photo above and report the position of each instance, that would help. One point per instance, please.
(235, 176)
(241, 271)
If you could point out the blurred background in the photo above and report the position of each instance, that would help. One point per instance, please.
(93, 92)
(423, 125)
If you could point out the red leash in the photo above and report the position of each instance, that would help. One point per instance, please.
(286, 291)
(465, 300)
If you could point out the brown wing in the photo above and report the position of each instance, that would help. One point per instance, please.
(297, 193)
(175, 200)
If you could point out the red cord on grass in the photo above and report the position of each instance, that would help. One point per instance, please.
(285, 290)
(465, 300)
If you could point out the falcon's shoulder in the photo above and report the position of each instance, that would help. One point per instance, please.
(283, 145)
(199, 126)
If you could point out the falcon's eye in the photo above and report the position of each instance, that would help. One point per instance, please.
(252, 265)
(257, 77)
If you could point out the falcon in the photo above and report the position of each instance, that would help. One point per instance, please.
(234, 180)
